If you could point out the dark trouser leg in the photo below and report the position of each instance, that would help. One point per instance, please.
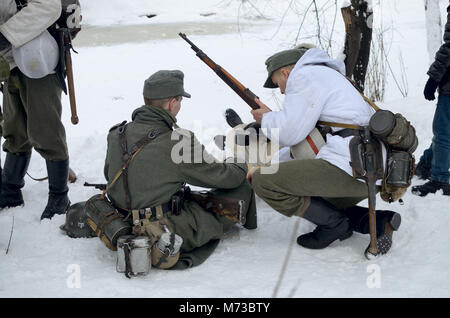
(440, 162)
(15, 116)
(285, 191)
(441, 141)
(58, 201)
(423, 168)
(13, 174)
(16, 143)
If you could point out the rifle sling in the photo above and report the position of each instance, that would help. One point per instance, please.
(125, 163)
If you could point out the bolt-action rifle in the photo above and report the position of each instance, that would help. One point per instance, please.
(246, 94)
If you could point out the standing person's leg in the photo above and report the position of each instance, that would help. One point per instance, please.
(48, 137)
(440, 163)
(423, 168)
(16, 145)
(441, 141)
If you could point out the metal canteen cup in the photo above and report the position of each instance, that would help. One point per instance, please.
(138, 251)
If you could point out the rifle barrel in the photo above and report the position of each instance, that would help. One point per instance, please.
(246, 94)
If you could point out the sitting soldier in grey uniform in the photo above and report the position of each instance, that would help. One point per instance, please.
(157, 173)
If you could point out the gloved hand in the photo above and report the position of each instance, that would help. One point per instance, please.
(430, 89)
(4, 43)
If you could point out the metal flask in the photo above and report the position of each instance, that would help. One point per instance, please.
(166, 252)
(382, 123)
(136, 251)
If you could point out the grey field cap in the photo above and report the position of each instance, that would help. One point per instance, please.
(281, 59)
(165, 84)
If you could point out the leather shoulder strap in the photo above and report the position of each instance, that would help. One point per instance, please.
(125, 163)
(128, 155)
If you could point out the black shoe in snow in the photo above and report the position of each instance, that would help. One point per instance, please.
(13, 174)
(57, 204)
(232, 118)
(422, 171)
(323, 236)
(431, 187)
(58, 201)
(10, 198)
(331, 223)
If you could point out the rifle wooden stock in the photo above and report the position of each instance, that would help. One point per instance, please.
(246, 94)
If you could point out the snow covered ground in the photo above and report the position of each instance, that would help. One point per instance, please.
(109, 77)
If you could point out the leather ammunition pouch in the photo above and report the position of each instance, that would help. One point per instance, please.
(154, 226)
(364, 153)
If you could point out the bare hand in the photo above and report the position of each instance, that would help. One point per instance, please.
(258, 113)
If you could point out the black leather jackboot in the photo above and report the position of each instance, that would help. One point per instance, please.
(58, 201)
(13, 174)
(331, 223)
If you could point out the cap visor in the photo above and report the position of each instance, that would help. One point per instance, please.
(187, 95)
(269, 83)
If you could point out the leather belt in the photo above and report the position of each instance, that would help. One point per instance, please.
(153, 213)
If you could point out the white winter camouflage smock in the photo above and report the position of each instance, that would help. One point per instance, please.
(317, 90)
(31, 21)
